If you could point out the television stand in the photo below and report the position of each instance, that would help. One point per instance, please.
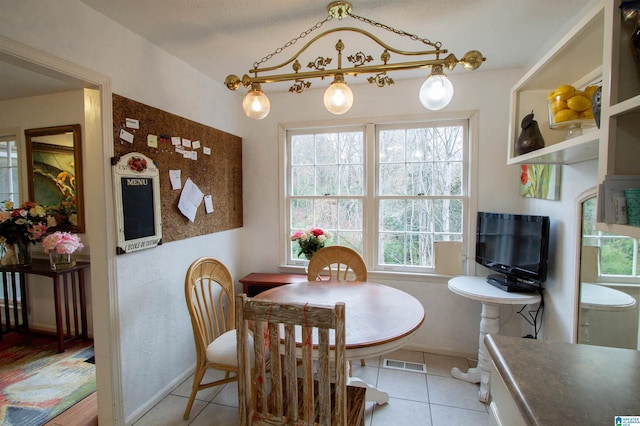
(510, 284)
(476, 288)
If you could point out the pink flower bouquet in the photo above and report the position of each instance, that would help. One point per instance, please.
(62, 243)
(310, 240)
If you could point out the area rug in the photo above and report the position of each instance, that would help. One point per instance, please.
(37, 383)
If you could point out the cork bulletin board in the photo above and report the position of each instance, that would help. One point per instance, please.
(211, 159)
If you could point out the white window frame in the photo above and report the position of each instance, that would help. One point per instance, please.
(7, 135)
(598, 239)
(14, 134)
(370, 213)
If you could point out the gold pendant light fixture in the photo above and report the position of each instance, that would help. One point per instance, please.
(435, 93)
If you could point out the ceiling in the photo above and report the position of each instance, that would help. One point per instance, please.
(221, 37)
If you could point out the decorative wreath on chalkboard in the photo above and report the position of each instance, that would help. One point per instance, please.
(137, 164)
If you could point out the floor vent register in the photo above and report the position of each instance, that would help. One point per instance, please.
(413, 367)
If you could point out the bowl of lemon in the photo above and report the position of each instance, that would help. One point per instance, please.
(570, 109)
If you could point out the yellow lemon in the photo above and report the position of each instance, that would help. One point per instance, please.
(565, 115)
(558, 105)
(587, 114)
(589, 90)
(579, 103)
(564, 92)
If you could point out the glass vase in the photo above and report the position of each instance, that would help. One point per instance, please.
(61, 260)
(22, 252)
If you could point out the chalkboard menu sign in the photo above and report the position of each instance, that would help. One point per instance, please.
(137, 191)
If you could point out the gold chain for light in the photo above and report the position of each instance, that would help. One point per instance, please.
(437, 44)
(292, 42)
(319, 24)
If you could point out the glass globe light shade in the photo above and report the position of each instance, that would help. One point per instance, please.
(437, 91)
(338, 97)
(256, 104)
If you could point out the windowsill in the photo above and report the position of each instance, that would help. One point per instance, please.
(381, 275)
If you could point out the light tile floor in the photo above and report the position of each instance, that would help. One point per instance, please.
(415, 399)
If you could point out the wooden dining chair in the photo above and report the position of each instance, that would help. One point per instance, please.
(342, 263)
(209, 293)
(285, 393)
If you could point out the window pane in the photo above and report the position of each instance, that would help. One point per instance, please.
(351, 148)
(391, 249)
(327, 180)
(392, 215)
(419, 216)
(326, 213)
(419, 179)
(589, 217)
(391, 146)
(616, 256)
(302, 150)
(327, 148)
(417, 149)
(303, 180)
(9, 184)
(301, 213)
(351, 180)
(446, 178)
(349, 239)
(447, 143)
(392, 179)
(447, 216)
(425, 164)
(350, 214)
(420, 250)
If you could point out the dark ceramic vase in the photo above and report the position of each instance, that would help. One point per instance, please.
(530, 139)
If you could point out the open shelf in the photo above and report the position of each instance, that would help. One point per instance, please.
(577, 59)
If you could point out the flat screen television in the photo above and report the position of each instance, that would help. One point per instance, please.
(516, 247)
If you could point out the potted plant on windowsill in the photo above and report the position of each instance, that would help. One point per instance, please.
(310, 240)
(62, 247)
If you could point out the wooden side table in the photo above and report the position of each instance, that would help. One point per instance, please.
(477, 288)
(73, 294)
(257, 282)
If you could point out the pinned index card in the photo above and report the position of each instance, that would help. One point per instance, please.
(208, 204)
(126, 136)
(152, 141)
(132, 123)
(174, 177)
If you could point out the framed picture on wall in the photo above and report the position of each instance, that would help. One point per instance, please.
(540, 181)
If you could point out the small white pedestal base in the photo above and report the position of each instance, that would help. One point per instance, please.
(476, 288)
(489, 324)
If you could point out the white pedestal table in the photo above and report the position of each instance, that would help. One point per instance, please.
(477, 288)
